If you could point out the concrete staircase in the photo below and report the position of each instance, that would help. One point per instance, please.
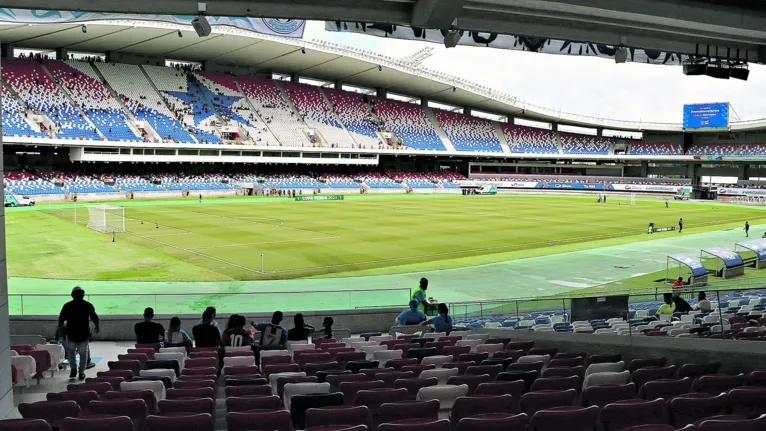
(439, 131)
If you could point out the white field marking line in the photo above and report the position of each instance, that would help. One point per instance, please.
(169, 234)
(181, 231)
(499, 247)
(265, 242)
(200, 254)
(280, 224)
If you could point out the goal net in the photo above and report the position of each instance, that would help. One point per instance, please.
(106, 218)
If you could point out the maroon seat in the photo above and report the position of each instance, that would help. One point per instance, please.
(252, 402)
(566, 362)
(575, 418)
(371, 372)
(456, 351)
(520, 345)
(259, 420)
(238, 354)
(125, 374)
(325, 347)
(452, 339)
(509, 354)
(693, 371)
(417, 369)
(279, 368)
(82, 398)
(532, 402)
(349, 416)
(345, 357)
(146, 351)
(22, 348)
(133, 365)
(473, 357)
(652, 428)
(24, 425)
(401, 410)
(390, 344)
(527, 366)
(567, 355)
(438, 345)
(648, 362)
(300, 353)
(405, 347)
(52, 412)
(472, 381)
(490, 370)
(194, 384)
(416, 425)
(756, 378)
(191, 405)
(602, 395)
(398, 363)
(689, 408)
(43, 361)
(374, 398)
(205, 349)
(646, 374)
(494, 422)
(177, 394)
(312, 368)
(100, 388)
(727, 423)
(497, 340)
(140, 357)
(135, 409)
(578, 371)
(201, 363)
(204, 354)
(275, 359)
(470, 406)
(181, 422)
(460, 365)
(600, 359)
(114, 381)
(146, 394)
(717, 383)
(351, 389)
(665, 388)
(336, 379)
(514, 388)
(336, 350)
(550, 351)
(203, 371)
(390, 378)
(414, 385)
(241, 370)
(248, 390)
(154, 346)
(556, 384)
(111, 423)
(748, 401)
(623, 414)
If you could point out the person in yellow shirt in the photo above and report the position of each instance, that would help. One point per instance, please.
(669, 307)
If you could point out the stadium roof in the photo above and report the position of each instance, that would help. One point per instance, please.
(665, 25)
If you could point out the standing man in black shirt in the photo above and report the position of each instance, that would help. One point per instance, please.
(205, 334)
(78, 313)
(148, 332)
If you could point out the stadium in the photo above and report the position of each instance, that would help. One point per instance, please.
(595, 271)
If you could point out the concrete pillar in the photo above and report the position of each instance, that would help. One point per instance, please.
(743, 171)
(338, 84)
(7, 50)
(381, 93)
(555, 127)
(511, 120)
(62, 54)
(466, 110)
(600, 132)
(6, 389)
(423, 101)
(293, 77)
(692, 173)
(644, 168)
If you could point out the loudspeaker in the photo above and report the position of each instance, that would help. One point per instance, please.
(717, 72)
(694, 69)
(740, 73)
(201, 26)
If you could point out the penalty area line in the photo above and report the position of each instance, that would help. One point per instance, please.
(266, 242)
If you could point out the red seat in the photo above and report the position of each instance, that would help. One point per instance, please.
(181, 422)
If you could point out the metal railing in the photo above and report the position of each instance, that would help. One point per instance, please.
(225, 302)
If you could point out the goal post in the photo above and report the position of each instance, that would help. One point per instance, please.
(632, 198)
(106, 218)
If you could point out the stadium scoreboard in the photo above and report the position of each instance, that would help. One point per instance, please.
(706, 116)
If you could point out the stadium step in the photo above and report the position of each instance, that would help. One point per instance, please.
(337, 117)
(439, 131)
(501, 137)
(254, 111)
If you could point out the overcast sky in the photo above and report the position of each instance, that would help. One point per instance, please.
(583, 85)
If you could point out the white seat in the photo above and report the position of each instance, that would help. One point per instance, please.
(679, 331)
(265, 353)
(544, 329)
(25, 368)
(687, 318)
(605, 331)
(613, 367)
(489, 348)
(291, 344)
(606, 378)
(640, 314)
(463, 334)
(711, 318)
(686, 335)
(557, 319)
(273, 378)
(298, 347)
(181, 350)
(155, 386)
(380, 338)
(470, 343)
(369, 350)
(239, 361)
(238, 349)
(292, 389)
(437, 335)
(493, 325)
(358, 345)
(57, 355)
(446, 395)
(159, 372)
(751, 329)
(441, 374)
(383, 356)
(171, 356)
(348, 341)
(437, 360)
(482, 337)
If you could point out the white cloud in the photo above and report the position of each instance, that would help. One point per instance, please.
(582, 85)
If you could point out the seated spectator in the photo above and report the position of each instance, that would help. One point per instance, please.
(301, 331)
(668, 308)
(272, 335)
(177, 337)
(213, 322)
(411, 316)
(148, 332)
(442, 322)
(327, 326)
(236, 335)
(205, 334)
(703, 304)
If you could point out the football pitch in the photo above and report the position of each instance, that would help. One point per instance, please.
(258, 254)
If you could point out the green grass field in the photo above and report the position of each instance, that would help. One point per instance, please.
(349, 250)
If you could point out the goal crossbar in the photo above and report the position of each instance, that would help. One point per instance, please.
(106, 218)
